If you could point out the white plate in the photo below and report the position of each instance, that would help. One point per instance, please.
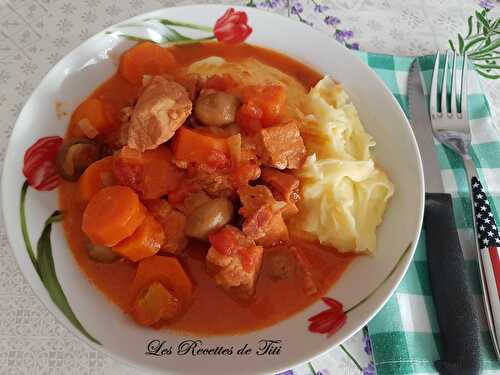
(77, 74)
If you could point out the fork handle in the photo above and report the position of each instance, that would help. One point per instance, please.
(488, 248)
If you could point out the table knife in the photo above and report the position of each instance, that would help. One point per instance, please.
(457, 318)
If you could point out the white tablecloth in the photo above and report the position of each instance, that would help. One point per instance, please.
(35, 34)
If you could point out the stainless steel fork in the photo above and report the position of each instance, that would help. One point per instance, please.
(451, 126)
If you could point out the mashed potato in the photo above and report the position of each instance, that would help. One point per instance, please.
(344, 193)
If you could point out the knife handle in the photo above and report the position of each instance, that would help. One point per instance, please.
(458, 324)
(488, 245)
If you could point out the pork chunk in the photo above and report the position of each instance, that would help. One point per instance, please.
(160, 111)
(263, 217)
(237, 272)
(173, 223)
(254, 197)
(285, 187)
(281, 146)
(234, 261)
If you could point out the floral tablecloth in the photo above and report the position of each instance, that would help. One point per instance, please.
(35, 34)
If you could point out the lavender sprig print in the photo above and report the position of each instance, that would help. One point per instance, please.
(320, 8)
(267, 4)
(297, 9)
(370, 369)
(486, 4)
(367, 343)
(332, 21)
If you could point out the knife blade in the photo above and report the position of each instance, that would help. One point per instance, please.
(457, 319)
(421, 126)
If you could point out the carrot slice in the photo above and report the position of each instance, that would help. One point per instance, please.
(90, 119)
(155, 303)
(113, 214)
(196, 147)
(145, 59)
(151, 173)
(263, 106)
(161, 176)
(272, 103)
(97, 176)
(145, 242)
(166, 270)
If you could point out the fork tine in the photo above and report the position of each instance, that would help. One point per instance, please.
(463, 88)
(444, 86)
(454, 86)
(434, 88)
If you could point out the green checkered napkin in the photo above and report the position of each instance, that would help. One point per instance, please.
(405, 334)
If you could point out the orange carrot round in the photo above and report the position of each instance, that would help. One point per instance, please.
(113, 214)
(145, 242)
(145, 59)
(151, 173)
(98, 175)
(161, 176)
(166, 270)
(196, 147)
(90, 119)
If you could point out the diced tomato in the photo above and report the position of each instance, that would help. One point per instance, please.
(250, 257)
(128, 168)
(224, 241)
(218, 160)
(263, 107)
(256, 224)
(249, 117)
(221, 83)
(272, 103)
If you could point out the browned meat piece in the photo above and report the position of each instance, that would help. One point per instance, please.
(249, 149)
(263, 219)
(256, 224)
(160, 111)
(216, 183)
(173, 223)
(236, 271)
(281, 146)
(285, 187)
(254, 197)
(276, 232)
